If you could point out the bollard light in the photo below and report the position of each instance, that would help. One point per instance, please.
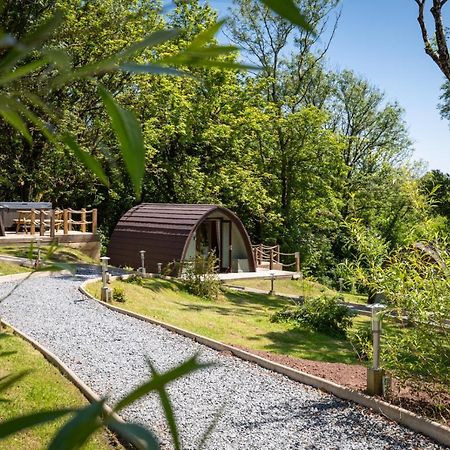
(142, 253)
(38, 260)
(159, 268)
(105, 278)
(341, 284)
(272, 279)
(375, 374)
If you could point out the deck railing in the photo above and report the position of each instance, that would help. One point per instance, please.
(271, 257)
(55, 220)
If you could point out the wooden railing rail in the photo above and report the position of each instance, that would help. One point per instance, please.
(272, 255)
(40, 220)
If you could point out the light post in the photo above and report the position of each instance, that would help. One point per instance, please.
(159, 268)
(38, 262)
(341, 284)
(272, 279)
(375, 374)
(142, 253)
(105, 294)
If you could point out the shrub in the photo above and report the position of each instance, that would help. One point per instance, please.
(323, 313)
(135, 279)
(119, 295)
(200, 277)
(361, 341)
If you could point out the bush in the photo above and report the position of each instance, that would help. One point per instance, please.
(119, 295)
(361, 341)
(200, 277)
(134, 279)
(324, 314)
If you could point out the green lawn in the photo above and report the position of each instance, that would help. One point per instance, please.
(8, 268)
(305, 288)
(237, 318)
(61, 254)
(44, 388)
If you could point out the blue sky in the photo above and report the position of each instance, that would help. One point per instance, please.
(380, 40)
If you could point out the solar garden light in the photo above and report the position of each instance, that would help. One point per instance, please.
(38, 261)
(106, 291)
(272, 279)
(341, 284)
(375, 374)
(159, 268)
(142, 268)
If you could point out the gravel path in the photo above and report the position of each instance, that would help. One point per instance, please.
(262, 410)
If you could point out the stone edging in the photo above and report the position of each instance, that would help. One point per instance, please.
(438, 432)
(91, 395)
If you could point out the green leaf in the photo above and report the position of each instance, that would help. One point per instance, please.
(287, 9)
(78, 429)
(22, 71)
(210, 428)
(88, 160)
(168, 409)
(17, 424)
(189, 366)
(142, 438)
(206, 36)
(14, 119)
(152, 68)
(129, 135)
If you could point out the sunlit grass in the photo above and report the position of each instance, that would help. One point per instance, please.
(8, 268)
(237, 318)
(43, 389)
(60, 254)
(300, 287)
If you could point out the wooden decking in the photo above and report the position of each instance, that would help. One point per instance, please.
(12, 238)
(260, 273)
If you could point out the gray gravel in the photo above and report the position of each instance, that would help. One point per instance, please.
(262, 410)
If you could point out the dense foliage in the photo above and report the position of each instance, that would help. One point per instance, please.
(325, 314)
(294, 149)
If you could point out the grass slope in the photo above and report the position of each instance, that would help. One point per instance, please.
(237, 318)
(8, 268)
(44, 388)
(305, 288)
(61, 253)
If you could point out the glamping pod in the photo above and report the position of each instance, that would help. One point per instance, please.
(178, 232)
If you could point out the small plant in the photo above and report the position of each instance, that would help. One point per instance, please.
(200, 277)
(361, 342)
(324, 314)
(135, 279)
(119, 295)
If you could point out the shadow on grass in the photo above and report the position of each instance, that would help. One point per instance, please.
(312, 344)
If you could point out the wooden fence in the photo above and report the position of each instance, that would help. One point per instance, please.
(270, 257)
(56, 220)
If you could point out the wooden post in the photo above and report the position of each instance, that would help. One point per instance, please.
(271, 259)
(278, 253)
(260, 254)
(297, 262)
(83, 220)
(52, 223)
(70, 219)
(41, 223)
(66, 223)
(94, 221)
(32, 222)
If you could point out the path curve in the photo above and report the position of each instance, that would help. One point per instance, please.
(263, 410)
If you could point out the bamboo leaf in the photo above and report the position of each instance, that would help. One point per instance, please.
(78, 429)
(152, 68)
(142, 438)
(206, 36)
(129, 135)
(14, 119)
(17, 424)
(287, 9)
(189, 366)
(88, 160)
(22, 71)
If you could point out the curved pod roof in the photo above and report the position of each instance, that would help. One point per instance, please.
(164, 231)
